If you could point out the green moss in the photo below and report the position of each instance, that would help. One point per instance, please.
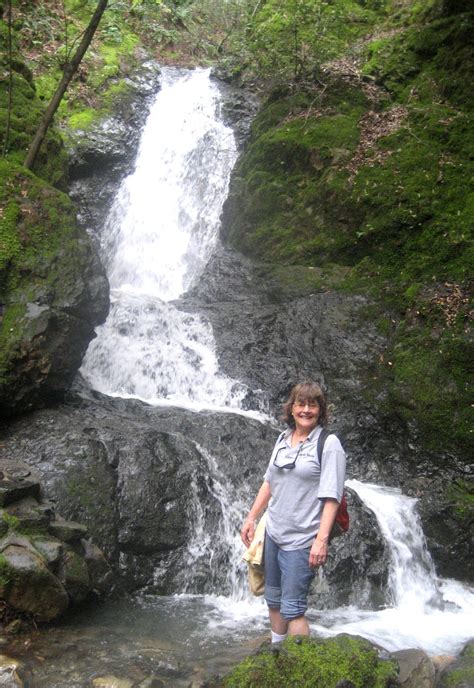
(11, 521)
(461, 495)
(305, 663)
(460, 677)
(83, 119)
(5, 574)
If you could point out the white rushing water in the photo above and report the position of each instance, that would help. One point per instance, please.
(422, 610)
(159, 235)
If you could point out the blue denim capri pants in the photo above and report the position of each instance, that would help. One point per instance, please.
(288, 576)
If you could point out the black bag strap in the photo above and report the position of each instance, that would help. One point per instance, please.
(323, 435)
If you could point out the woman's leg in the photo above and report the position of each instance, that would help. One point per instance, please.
(298, 626)
(278, 624)
(296, 578)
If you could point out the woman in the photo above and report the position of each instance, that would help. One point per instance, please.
(302, 499)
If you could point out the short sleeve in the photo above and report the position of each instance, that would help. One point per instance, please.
(333, 470)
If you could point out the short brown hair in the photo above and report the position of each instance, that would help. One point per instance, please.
(306, 391)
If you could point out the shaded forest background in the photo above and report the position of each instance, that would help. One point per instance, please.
(357, 175)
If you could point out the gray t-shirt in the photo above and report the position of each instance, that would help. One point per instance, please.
(297, 501)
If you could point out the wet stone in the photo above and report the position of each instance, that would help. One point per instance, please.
(33, 588)
(151, 682)
(112, 682)
(29, 514)
(67, 531)
(13, 490)
(74, 575)
(51, 550)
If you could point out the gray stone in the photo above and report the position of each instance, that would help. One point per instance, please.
(33, 588)
(50, 549)
(416, 669)
(100, 573)
(29, 514)
(67, 531)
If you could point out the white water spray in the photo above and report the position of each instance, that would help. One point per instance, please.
(425, 611)
(159, 235)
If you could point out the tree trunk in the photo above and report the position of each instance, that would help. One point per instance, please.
(68, 72)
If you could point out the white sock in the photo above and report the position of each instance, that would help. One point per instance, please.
(277, 638)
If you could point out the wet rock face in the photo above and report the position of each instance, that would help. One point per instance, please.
(161, 489)
(45, 562)
(100, 158)
(53, 296)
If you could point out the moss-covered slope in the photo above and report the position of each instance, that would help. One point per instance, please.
(369, 170)
(52, 288)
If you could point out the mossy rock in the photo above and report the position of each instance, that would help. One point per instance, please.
(52, 288)
(307, 663)
(459, 674)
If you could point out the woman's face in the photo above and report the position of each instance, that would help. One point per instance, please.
(305, 414)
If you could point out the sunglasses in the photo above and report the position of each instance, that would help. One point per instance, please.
(290, 464)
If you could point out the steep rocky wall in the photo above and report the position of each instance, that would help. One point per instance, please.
(53, 290)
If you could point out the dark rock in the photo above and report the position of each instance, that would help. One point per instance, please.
(12, 490)
(357, 568)
(57, 297)
(100, 573)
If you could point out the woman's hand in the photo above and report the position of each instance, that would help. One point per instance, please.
(318, 553)
(260, 504)
(248, 531)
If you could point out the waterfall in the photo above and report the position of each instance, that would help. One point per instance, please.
(157, 239)
(423, 610)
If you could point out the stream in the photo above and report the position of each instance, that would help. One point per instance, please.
(160, 233)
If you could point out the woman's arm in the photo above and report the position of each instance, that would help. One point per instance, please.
(258, 507)
(319, 549)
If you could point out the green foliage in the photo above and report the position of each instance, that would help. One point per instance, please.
(289, 39)
(304, 663)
